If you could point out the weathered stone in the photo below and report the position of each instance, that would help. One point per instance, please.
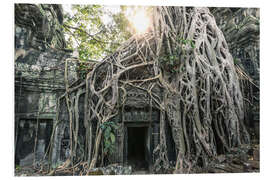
(40, 24)
(256, 154)
(221, 158)
(113, 169)
(95, 172)
(39, 76)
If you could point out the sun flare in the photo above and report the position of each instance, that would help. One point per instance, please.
(139, 20)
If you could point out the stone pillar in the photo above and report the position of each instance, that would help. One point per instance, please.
(40, 147)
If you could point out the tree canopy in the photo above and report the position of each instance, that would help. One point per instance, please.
(88, 33)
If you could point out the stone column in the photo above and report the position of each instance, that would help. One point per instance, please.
(40, 148)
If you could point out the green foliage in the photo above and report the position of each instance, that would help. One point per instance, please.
(186, 42)
(236, 61)
(108, 129)
(83, 69)
(18, 168)
(94, 39)
(170, 62)
(257, 21)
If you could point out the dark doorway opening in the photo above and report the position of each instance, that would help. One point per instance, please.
(137, 155)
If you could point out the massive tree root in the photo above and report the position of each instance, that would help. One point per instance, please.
(184, 66)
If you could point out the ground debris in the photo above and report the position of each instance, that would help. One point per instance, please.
(238, 160)
(80, 169)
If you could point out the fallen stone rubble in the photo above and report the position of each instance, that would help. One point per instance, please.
(239, 160)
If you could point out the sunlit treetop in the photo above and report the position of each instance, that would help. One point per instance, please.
(94, 30)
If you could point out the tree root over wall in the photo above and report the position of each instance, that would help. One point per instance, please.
(185, 54)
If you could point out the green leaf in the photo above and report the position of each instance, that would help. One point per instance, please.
(106, 150)
(107, 144)
(107, 132)
(183, 68)
(108, 128)
(112, 138)
(114, 126)
(109, 123)
(192, 44)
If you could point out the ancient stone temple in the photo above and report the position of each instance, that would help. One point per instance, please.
(39, 67)
(124, 111)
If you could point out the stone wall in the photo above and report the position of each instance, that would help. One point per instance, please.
(40, 56)
(39, 26)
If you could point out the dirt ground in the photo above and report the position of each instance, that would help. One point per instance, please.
(246, 158)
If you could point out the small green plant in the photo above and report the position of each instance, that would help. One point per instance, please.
(236, 61)
(108, 129)
(171, 62)
(83, 69)
(257, 21)
(18, 167)
(186, 42)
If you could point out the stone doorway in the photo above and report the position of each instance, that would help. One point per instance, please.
(138, 147)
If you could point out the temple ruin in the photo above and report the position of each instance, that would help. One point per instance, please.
(151, 112)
